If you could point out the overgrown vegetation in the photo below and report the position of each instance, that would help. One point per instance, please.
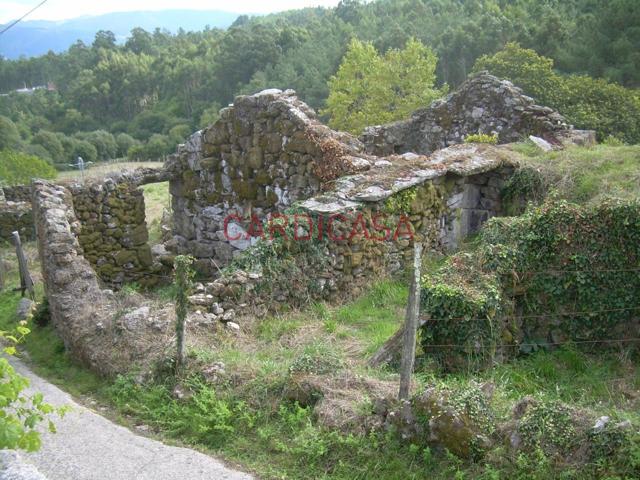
(576, 174)
(281, 253)
(19, 168)
(482, 138)
(142, 97)
(558, 273)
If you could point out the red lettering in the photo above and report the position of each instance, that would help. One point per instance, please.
(255, 227)
(359, 222)
(296, 225)
(330, 226)
(227, 219)
(381, 228)
(409, 228)
(278, 223)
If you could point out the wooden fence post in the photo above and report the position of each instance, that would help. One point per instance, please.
(26, 282)
(411, 325)
(2, 274)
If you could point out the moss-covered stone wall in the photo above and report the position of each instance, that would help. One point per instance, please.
(16, 217)
(266, 152)
(113, 233)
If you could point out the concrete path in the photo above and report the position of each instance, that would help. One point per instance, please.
(90, 447)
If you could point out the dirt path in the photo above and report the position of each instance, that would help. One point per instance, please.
(90, 447)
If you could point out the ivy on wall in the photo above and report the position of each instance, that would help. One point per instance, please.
(559, 273)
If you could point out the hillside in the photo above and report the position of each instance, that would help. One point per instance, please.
(37, 37)
(133, 90)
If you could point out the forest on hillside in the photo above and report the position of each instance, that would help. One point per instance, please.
(143, 97)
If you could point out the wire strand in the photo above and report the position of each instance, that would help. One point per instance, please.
(542, 344)
(15, 22)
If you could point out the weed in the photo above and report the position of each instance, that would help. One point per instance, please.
(317, 358)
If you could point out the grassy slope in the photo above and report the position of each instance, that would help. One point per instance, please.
(156, 198)
(585, 175)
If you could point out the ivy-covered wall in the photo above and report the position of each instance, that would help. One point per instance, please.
(559, 273)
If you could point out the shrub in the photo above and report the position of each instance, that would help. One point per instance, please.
(547, 425)
(9, 134)
(18, 168)
(559, 272)
(482, 138)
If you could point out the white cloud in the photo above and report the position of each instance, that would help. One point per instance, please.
(64, 9)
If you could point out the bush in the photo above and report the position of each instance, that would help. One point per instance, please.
(558, 273)
(9, 134)
(125, 142)
(84, 149)
(51, 143)
(482, 138)
(18, 168)
(104, 143)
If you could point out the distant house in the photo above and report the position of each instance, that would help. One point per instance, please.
(50, 87)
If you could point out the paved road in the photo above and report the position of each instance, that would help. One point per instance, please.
(90, 447)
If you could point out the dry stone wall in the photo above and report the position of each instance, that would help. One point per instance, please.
(113, 233)
(16, 217)
(483, 104)
(98, 329)
(266, 152)
(15, 213)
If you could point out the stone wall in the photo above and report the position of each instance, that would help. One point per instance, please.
(266, 152)
(436, 206)
(113, 233)
(17, 193)
(483, 104)
(15, 212)
(16, 216)
(94, 324)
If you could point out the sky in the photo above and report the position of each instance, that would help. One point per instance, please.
(65, 9)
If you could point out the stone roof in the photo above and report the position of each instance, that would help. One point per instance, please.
(387, 176)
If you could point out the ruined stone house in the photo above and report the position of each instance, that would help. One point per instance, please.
(269, 154)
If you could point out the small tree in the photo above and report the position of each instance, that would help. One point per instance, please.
(19, 413)
(184, 275)
(19, 168)
(370, 89)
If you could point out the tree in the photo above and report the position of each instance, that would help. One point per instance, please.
(84, 149)
(9, 135)
(140, 41)
(18, 168)
(209, 116)
(528, 70)
(179, 133)
(104, 39)
(125, 142)
(369, 89)
(51, 143)
(105, 144)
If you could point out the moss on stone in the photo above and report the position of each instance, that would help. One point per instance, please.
(246, 190)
